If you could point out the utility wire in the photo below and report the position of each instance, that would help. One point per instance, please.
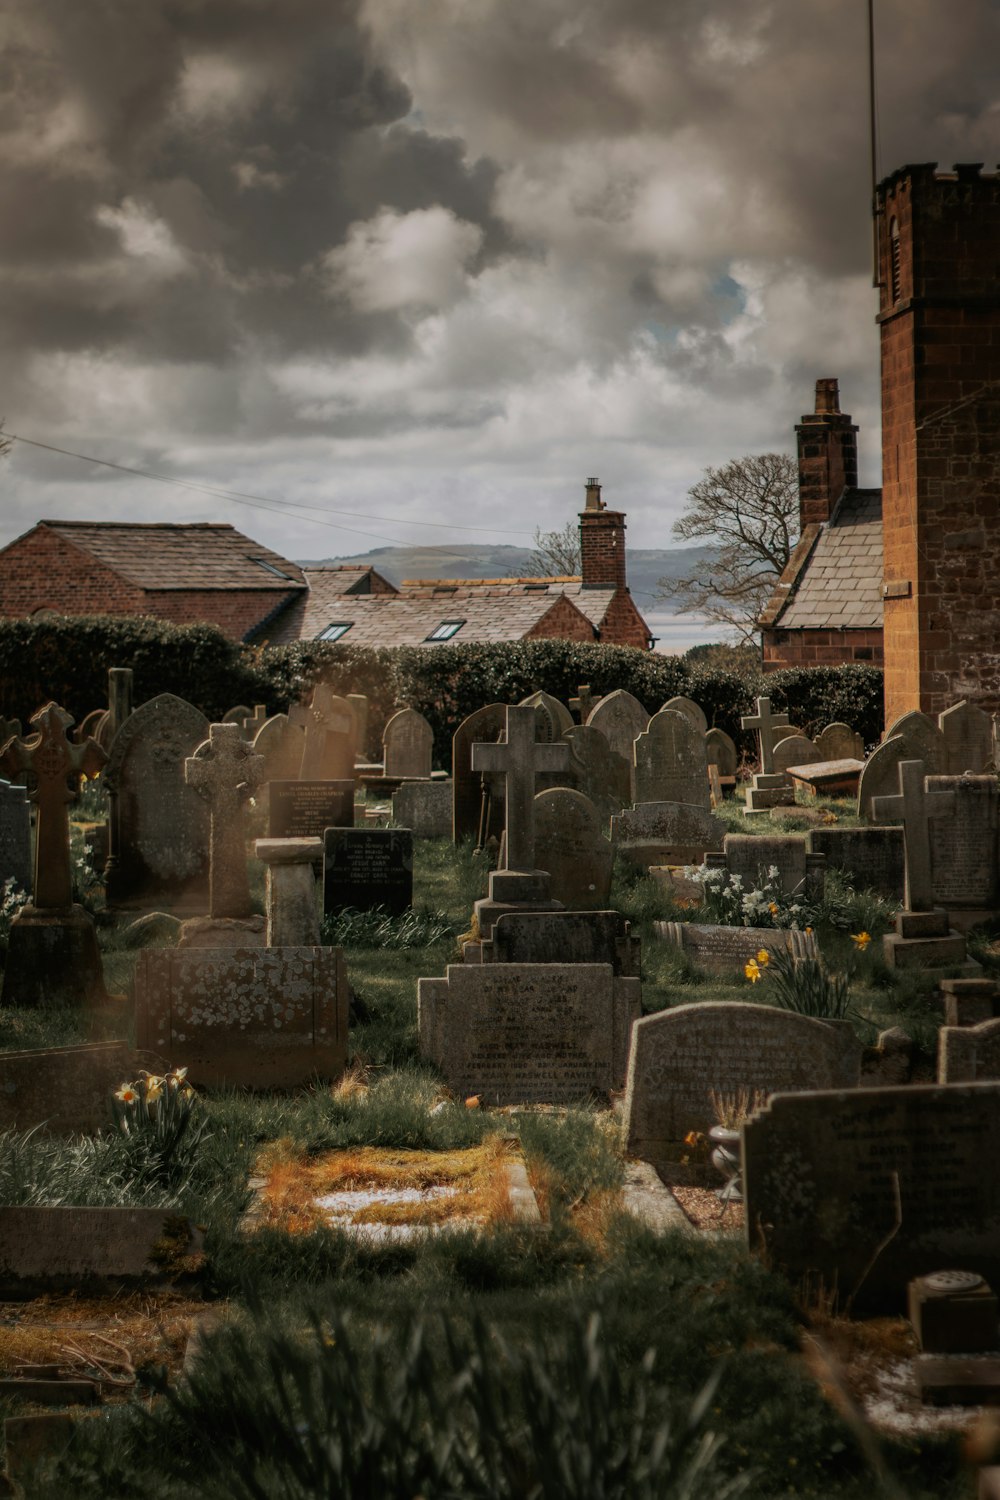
(264, 502)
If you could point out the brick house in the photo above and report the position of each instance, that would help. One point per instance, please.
(213, 573)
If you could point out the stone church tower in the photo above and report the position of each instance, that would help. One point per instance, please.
(939, 315)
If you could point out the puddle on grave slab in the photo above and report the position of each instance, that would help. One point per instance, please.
(387, 1196)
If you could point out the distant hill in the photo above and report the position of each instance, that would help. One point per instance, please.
(646, 566)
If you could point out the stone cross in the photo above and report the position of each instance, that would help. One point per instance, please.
(56, 766)
(583, 702)
(225, 770)
(765, 723)
(914, 806)
(518, 758)
(326, 715)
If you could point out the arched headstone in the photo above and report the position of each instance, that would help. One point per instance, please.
(571, 847)
(555, 716)
(597, 771)
(486, 726)
(968, 735)
(408, 745)
(840, 742)
(671, 762)
(721, 751)
(690, 710)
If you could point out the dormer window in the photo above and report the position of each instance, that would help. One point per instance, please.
(445, 630)
(335, 630)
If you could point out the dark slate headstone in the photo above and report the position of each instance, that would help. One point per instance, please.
(486, 726)
(303, 809)
(862, 1191)
(564, 937)
(872, 857)
(368, 867)
(46, 1249)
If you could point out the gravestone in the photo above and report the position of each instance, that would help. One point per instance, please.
(58, 1249)
(768, 787)
(721, 751)
(872, 857)
(425, 808)
(477, 811)
(582, 703)
(157, 824)
(15, 837)
(359, 703)
(597, 771)
(280, 743)
(119, 706)
(840, 742)
(561, 937)
(573, 849)
(799, 873)
(726, 950)
(670, 762)
(291, 918)
(305, 809)
(238, 716)
(621, 719)
(690, 710)
(826, 778)
(658, 833)
(554, 717)
(914, 806)
(968, 738)
(368, 867)
(330, 734)
(965, 859)
(255, 723)
(880, 775)
(67, 1090)
(923, 740)
(765, 723)
(408, 745)
(224, 770)
(794, 750)
(859, 1192)
(250, 1017)
(528, 1033)
(969, 1054)
(680, 1055)
(52, 957)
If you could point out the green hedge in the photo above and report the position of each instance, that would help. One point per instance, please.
(67, 658)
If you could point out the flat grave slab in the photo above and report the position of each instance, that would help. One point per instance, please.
(726, 950)
(68, 1089)
(54, 1249)
(838, 778)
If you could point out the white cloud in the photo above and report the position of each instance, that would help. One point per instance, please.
(401, 261)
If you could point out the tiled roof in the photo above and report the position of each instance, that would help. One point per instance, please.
(203, 555)
(837, 582)
(407, 620)
(345, 578)
(592, 602)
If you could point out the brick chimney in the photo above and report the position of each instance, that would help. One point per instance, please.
(602, 542)
(828, 455)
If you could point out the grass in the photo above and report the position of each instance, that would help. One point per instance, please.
(469, 1363)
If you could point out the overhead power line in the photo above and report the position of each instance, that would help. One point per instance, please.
(267, 502)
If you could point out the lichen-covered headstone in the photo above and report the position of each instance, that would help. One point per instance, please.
(670, 760)
(408, 745)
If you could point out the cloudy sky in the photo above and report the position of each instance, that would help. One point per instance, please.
(389, 262)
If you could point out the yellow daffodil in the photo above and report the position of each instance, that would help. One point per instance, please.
(154, 1088)
(773, 908)
(176, 1077)
(126, 1094)
(763, 957)
(861, 940)
(752, 971)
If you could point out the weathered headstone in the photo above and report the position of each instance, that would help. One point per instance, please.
(968, 738)
(573, 849)
(720, 750)
(679, 1056)
(690, 710)
(251, 1017)
(359, 703)
(158, 825)
(826, 778)
(880, 776)
(424, 807)
(478, 800)
(794, 750)
(597, 771)
(554, 717)
(658, 833)
(562, 937)
(582, 703)
(255, 723)
(528, 1033)
(291, 915)
(330, 735)
(765, 722)
(50, 1249)
(859, 1192)
(769, 788)
(969, 1054)
(281, 745)
(923, 739)
(408, 745)
(238, 716)
(799, 872)
(872, 857)
(225, 771)
(621, 719)
(670, 761)
(368, 867)
(727, 950)
(840, 742)
(965, 845)
(518, 758)
(119, 706)
(914, 806)
(52, 957)
(15, 837)
(67, 1090)
(304, 809)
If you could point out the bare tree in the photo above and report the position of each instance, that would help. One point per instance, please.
(750, 509)
(556, 554)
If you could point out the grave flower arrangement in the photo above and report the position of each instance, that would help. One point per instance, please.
(726, 901)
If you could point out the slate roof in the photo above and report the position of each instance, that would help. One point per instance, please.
(591, 602)
(202, 555)
(834, 577)
(345, 578)
(407, 620)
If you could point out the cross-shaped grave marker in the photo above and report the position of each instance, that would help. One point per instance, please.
(583, 702)
(256, 721)
(329, 725)
(914, 806)
(765, 723)
(56, 766)
(225, 770)
(519, 758)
